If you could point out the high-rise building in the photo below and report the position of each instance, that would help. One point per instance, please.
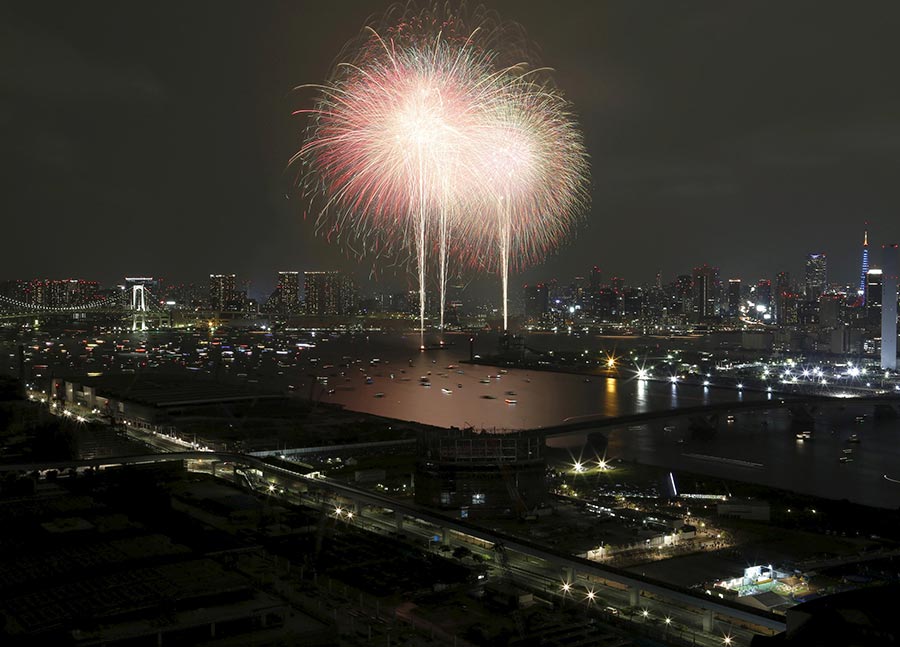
(816, 276)
(287, 299)
(782, 290)
(705, 288)
(329, 293)
(59, 293)
(596, 279)
(536, 301)
(734, 297)
(682, 295)
(222, 291)
(865, 267)
(890, 262)
(874, 290)
(764, 299)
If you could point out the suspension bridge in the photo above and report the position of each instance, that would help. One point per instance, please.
(134, 305)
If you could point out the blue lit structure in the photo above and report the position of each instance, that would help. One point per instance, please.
(865, 269)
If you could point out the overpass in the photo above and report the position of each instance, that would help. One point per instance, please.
(570, 564)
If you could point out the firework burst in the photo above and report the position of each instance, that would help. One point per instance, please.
(421, 139)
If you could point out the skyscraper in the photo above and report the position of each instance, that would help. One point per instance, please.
(536, 301)
(764, 299)
(221, 291)
(889, 308)
(288, 292)
(782, 290)
(865, 266)
(705, 283)
(734, 297)
(874, 291)
(816, 276)
(596, 279)
(329, 293)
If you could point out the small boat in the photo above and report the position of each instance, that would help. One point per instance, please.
(459, 386)
(669, 428)
(853, 438)
(845, 459)
(488, 397)
(446, 391)
(379, 395)
(847, 451)
(510, 401)
(510, 393)
(485, 381)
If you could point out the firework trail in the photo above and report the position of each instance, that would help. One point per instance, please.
(422, 137)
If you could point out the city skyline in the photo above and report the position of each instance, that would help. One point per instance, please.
(170, 158)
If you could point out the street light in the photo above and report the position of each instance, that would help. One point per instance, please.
(591, 595)
(726, 640)
(566, 587)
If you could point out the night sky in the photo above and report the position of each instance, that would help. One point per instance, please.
(151, 138)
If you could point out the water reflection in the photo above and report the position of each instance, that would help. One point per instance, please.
(612, 399)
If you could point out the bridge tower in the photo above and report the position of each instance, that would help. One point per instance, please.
(138, 307)
(140, 311)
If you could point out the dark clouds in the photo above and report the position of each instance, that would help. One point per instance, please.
(152, 138)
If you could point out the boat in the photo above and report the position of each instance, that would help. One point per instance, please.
(853, 438)
(485, 381)
(446, 391)
(379, 395)
(510, 393)
(510, 401)
(488, 397)
(459, 386)
(845, 459)
(847, 451)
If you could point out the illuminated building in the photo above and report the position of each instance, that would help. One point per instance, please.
(536, 301)
(734, 297)
(329, 293)
(764, 299)
(221, 291)
(782, 290)
(889, 308)
(287, 292)
(705, 290)
(816, 276)
(865, 266)
(873, 292)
